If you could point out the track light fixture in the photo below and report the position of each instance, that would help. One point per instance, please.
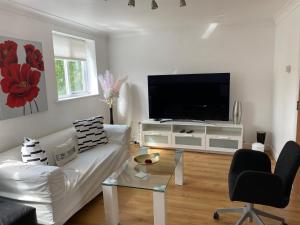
(131, 3)
(154, 5)
(182, 3)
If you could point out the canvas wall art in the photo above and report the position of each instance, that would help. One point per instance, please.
(22, 80)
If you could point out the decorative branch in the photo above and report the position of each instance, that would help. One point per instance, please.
(110, 87)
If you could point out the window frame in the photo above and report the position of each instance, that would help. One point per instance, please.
(90, 68)
(69, 92)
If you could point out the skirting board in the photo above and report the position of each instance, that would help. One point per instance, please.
(245, 146)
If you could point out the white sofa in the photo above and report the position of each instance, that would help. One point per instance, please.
(59, 192)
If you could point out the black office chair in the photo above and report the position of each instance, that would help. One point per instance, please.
(251, 180)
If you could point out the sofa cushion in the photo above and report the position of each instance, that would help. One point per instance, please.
(32, 153)
(87, 163)
(119, 134)
(90, 133)
(65, 152)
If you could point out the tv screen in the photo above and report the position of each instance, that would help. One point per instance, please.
(189, 97)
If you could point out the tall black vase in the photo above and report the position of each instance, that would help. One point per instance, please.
(261, 137)
(111, 115)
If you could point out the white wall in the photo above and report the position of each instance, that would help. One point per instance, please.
(286, 85)
(246, 52)
(59, 115)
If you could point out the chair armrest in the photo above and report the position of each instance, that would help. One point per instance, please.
(118, 134)
(31, 183)
(258, 188)
(245, 159)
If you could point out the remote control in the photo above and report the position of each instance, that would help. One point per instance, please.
(189, 131)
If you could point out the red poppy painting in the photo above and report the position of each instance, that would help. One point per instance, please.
(8, 53)
(34, 57)
(22, 83)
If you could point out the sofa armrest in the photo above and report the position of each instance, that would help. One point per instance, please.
(118, 134)
(31, 183)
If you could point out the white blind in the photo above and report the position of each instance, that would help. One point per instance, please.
(69, 47)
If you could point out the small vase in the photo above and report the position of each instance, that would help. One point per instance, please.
(111, 115)
(237, 112)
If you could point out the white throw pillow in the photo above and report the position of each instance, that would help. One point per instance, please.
(65, 152)
(90, 133)
(32, 153)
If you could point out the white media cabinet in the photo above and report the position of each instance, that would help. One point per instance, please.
(222, 137)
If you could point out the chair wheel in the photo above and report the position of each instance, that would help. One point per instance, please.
(216, 216)
(284, 223)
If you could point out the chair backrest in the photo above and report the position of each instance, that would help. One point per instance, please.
(287, 165)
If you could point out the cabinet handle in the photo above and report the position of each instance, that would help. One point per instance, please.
(223, 138)
(186, 135)
(156, 134)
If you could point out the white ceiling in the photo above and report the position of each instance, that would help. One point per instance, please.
(116, 16)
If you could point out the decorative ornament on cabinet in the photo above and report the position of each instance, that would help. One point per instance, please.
(237, 112)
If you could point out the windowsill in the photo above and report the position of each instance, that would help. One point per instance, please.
(75, 97)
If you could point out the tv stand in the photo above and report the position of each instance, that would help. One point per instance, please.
(208, 136)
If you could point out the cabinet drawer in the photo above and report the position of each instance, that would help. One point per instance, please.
(157, 140)
(189, 141)
(219, 143)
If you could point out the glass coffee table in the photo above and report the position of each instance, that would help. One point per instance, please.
(154, 177)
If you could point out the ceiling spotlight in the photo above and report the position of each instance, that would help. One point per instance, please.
(182, 3)
(154, 5)
(131, 3)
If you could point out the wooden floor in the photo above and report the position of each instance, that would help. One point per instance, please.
(204, 190)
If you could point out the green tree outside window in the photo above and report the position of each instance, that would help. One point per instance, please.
(70, 77)
(60, 77)
(76, 76)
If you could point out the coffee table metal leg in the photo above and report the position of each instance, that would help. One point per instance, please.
(111, 206)
(159, 208)
(179, 172)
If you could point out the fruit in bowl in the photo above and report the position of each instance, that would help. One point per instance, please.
(147, 159)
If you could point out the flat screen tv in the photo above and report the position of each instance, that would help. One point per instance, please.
(189, 97)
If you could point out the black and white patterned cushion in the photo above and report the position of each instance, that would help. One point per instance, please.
(32, 153)
(65, 152)
(90, 133)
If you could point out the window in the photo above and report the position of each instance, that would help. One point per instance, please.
(70, 77)
(74, 66)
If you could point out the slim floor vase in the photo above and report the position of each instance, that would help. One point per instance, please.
(111, 115)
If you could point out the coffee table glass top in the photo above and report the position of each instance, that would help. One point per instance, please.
(150, 176)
